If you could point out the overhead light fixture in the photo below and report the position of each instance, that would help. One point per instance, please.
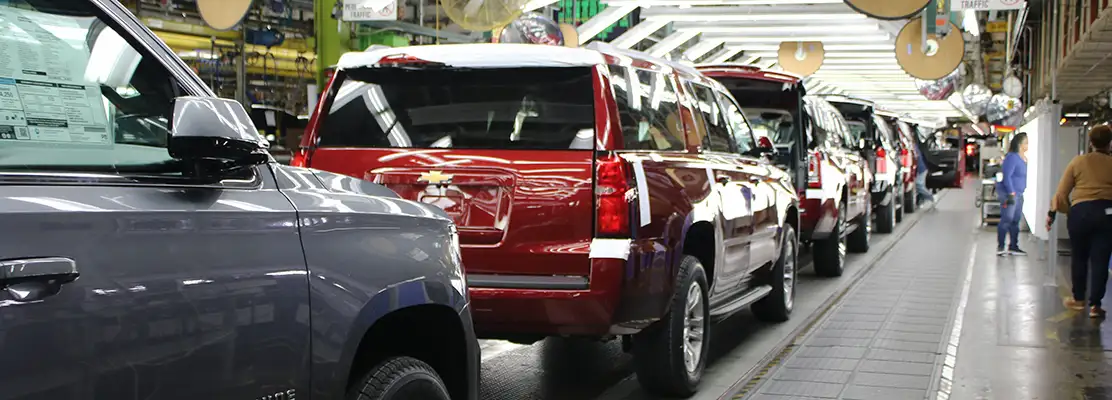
(755, 47)
(1077, 115)
(673, 3)
(843, 54)
(780, 39)
(873, 61)
(785, 30)
(708, 17)
(882, 67)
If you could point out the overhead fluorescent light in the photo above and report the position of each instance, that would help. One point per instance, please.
(779, 39)
(872, 61)
(674, 3)
(841, 54)
(707, 17)
(756, 47)
(1077, 115)
(785, 30)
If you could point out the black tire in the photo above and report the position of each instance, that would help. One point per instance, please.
(899, 203)
(910, 201)
(400, 378)
(658, 351)
(886, 216)
(858, 240)
(778, 305)
(830, 253)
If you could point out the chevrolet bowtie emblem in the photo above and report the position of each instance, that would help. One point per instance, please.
(435, 178)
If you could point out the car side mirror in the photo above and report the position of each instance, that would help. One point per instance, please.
(764, 143)
(215, 131)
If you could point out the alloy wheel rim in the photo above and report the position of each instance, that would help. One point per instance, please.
(842, 248)
(694, 327)
(789, 276)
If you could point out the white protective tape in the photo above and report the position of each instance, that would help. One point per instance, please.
(815, 194)
(643, 209)
(610, 248)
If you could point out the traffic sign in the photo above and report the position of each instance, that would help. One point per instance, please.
(960, 5)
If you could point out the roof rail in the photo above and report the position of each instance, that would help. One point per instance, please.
(605, 47)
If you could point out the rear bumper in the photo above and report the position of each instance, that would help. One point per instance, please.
(621, 296)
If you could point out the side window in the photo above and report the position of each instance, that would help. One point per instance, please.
(835, 130)
(86, 101)
(649, 109)
(742, 132)
(718, 131)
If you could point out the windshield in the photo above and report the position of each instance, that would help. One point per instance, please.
(777, 125)
(76, 95)
(513, 108)
(857, 130)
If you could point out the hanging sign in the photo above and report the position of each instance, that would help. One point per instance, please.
(961, 5)
(370, 10)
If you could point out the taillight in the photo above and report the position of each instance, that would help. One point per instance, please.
(814, 170)
(300, 159)
(969, 148)
(881, 162)
(611, 206)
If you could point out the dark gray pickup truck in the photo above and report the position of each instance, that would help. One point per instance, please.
(150, 248)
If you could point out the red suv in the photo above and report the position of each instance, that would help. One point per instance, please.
(813, 142)
(598, 192)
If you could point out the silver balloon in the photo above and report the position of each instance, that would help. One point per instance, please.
(976, 97)
(1001, 108)
(939, 89)
(532, 28)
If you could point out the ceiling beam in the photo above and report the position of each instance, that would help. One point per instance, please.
(601, 21)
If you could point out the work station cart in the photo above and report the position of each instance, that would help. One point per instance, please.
(989, 173)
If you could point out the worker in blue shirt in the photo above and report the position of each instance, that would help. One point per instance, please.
(924, 195)
(1010, 191)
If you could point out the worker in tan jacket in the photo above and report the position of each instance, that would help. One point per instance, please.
(1085, 194)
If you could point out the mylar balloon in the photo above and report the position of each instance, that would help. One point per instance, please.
(532, 28)
(1003, 107)
(976, 96)
(939, 89)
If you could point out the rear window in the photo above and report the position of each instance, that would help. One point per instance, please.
(445, 107)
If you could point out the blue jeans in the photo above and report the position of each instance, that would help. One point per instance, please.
(1009, 221)
(921, 187)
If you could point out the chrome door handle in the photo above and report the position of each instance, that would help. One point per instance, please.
(723, 179)
(34, 279)
(39, 267)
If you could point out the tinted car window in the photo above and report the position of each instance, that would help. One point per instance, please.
(79, 97)
(512, 108)
(650, 119)
(718, 130)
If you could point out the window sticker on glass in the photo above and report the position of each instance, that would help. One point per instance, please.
(46, 92)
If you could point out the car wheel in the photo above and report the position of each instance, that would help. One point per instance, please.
(858, 240)
(830, 253)
(400, 378)
(886, 217)
(778, 305)
(910, 203)
(670, 355)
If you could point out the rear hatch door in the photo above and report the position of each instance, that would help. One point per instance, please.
(772, 108)
(506, 152)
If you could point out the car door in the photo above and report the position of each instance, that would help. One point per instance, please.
(735, 192)
(120, 276)
(765, 220)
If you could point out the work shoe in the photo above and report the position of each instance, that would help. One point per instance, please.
(1096, 312)
(1016, 251)
(1000, 252)
(1073, 304)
